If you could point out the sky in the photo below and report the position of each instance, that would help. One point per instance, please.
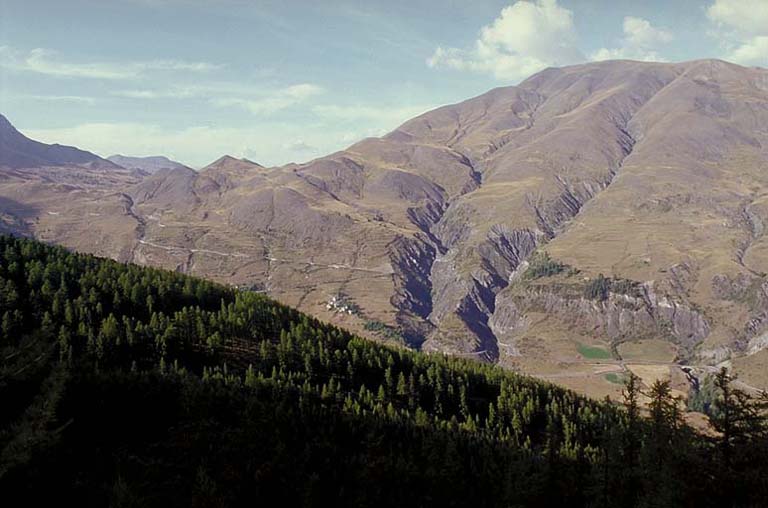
(291, 80)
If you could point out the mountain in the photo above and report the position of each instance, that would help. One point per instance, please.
(52, 191)
(150, 165)
(592, 220)
(18, 151)
(132, 386)
(227, 171)
(229, 163)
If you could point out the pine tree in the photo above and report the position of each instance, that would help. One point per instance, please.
(632, 441)
(663, 437)
(739, 419)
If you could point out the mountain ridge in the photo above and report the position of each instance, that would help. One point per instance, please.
(17, 151)
(151, 164)
(429, 229)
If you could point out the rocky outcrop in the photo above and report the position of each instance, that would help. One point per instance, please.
(714, 356)
(426, 217)
(758, 321)
(411, 259)
(471, 294)
(552, 214)
(751, 290)
(757, 344)
(619, 317)
(472, 297)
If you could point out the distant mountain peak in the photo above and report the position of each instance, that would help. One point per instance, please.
(229, 162)
(5, 123)
(151, 164)
(18, 151)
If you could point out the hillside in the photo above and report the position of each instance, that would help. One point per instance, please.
(150, 165)
(132, 386)
(646, 179)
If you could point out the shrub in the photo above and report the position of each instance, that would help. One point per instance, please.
(541, 265)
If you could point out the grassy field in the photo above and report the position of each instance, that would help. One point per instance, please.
(615, 377)
(594, 352)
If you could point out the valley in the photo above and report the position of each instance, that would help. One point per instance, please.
(643, 184)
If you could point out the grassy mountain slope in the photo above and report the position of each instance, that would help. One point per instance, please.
(647, 173)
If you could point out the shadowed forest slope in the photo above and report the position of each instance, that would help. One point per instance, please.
(131, 386)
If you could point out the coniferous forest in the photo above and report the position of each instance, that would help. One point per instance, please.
(129, 386)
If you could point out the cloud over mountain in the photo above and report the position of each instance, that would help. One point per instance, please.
(640, 42)
(743, 26)
(526, 37)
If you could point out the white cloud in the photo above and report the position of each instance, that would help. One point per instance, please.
(251, 98)
(44, 61)
(641, 34)
(748, 17)
(274, 101)
(268, 142)
(170, 93)
(752, 52)
(352, 137)
(742, 27)
(641, 41)
(137, 94)
(57, 98)
(365, 112)
(526, 37)
(207, 89)
(300, 146)
(199, 145)
(175, 65)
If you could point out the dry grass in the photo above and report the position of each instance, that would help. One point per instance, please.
(649, 374)
(652, 350)
(753, 369)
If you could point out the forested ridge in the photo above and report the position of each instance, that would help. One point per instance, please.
(123, 385)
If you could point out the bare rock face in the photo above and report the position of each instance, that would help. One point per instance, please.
(470, 297)
(617, 318)
(651, 173)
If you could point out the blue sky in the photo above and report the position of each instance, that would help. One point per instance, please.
(281, 81)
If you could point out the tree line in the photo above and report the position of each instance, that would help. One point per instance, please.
(132, 386)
